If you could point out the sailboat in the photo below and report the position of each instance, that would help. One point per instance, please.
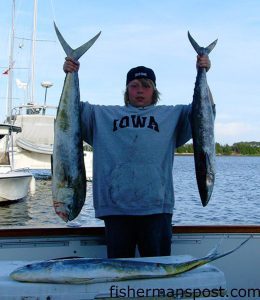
(33, 146)
(14, 183)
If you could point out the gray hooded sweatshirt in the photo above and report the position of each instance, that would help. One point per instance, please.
(133, 153)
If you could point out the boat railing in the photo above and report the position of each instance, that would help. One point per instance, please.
(22, 170)
(50, 231)
(31, 109)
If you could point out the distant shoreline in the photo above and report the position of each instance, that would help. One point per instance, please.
(240, 155)
(237, 149)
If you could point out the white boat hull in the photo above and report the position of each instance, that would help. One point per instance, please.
(33, 146)
(14, 185)
(32, 160)
(38, 161)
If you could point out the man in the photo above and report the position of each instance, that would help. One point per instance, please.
(133, 153)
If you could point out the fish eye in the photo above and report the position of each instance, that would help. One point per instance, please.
(210, 178)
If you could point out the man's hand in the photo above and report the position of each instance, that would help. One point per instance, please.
(70, 65)
(203, 62)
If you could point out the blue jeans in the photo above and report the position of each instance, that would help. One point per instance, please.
(151, 234)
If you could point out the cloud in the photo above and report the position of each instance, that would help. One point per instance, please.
(232, 132)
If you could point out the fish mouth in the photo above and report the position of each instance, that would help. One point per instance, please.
(60, 212)
(63, 215)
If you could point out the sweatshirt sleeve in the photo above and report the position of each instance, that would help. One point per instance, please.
(184, 131)
(87, 122)
(184, 127)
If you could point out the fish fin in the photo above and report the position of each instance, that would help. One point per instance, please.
(77, 53)
(215, 251)
(214, 256)
(211, 46)
(200, 50)
(194, 44)
(82, 49)
(66, 47)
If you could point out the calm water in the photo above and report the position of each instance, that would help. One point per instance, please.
(235, 200)
(236, 194)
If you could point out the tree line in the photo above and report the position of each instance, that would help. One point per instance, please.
(240, 148)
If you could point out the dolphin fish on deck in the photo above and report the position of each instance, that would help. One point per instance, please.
(202, 121)
(85, 270)
(69, 177)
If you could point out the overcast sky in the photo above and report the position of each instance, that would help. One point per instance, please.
(144, 32)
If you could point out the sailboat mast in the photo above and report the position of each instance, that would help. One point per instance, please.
(10, 68)
(33, 50)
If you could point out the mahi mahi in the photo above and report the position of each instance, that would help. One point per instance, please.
(86, 270)
(69, 177)
(202, 121)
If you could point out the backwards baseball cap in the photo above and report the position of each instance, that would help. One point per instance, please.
(140, 72)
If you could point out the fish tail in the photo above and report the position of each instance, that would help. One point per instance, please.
(75, 53)
(200, 50)
(174, 269)
(215, 251)
(215, 255)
